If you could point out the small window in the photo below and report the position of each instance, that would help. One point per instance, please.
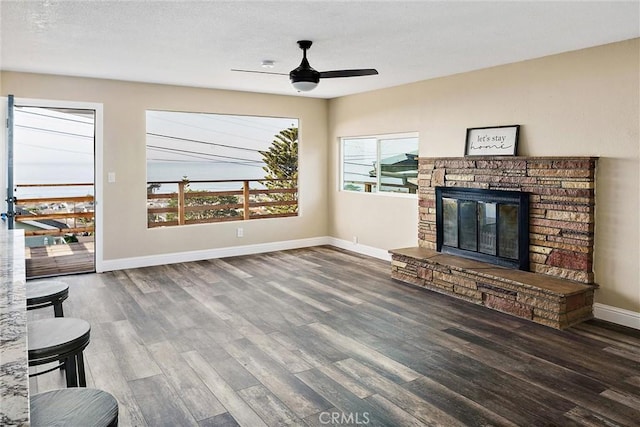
(380, 164)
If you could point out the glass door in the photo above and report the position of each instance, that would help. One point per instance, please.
(50, 187)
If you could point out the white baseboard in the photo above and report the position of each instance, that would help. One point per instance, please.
(616, 315)
(173, 258)
(382, 254)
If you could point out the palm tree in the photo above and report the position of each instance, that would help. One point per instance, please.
(281, 160)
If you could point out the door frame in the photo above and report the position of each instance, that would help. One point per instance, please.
(97, 156)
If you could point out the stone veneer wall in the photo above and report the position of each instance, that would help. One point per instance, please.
(562, 203)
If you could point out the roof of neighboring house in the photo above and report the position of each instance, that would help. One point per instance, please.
(410, 158)
(46, 224)
(403, 166)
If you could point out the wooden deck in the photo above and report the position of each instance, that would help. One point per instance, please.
(57, 260)
(307, 336)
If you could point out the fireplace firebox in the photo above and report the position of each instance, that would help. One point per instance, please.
(485, 225)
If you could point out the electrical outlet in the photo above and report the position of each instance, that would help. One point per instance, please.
(239, 232)
(355, 240)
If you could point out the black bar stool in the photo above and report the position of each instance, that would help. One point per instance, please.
(74, 407)
(59, 339)
(47, 293)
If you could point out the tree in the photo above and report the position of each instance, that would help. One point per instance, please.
(152, 187)
(219, 206)
(281, 160)
(352, 187)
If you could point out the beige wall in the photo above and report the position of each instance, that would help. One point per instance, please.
(125, 231)
(377, 220)
(583, 103)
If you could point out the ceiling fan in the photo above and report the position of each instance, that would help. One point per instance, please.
(305, 78)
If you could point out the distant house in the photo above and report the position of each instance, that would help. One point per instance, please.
(399, 171)
(38, 225)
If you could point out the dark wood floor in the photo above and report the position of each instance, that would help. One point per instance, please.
(313, 336)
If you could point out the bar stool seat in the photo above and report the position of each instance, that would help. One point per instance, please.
(59, 339)
(74, 407)
(47, 293)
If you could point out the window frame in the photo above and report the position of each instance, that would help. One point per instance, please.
(379, 138)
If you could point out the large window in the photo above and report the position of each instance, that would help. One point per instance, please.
(380, 164)
(211, 167)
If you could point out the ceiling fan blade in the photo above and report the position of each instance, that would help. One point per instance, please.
(259, 72)
(348, 73)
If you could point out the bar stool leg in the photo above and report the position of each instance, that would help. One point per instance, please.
(57, 309)
(58, 312)
(82, 380)
(70, 371)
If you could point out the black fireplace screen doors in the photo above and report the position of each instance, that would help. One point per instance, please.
(486, 225)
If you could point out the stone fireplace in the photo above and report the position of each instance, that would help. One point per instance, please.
(560, 191)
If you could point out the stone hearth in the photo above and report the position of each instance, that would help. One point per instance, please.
(546, 300)
(558, 291)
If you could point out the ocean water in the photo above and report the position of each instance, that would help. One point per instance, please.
(195, 171)
(175, 171)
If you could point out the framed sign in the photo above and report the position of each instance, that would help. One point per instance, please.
(492, 141)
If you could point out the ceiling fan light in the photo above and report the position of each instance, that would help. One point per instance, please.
(304, 78)
(302, 86)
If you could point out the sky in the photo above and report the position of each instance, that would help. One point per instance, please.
(180, 136)
(209, 146)
(44, 136)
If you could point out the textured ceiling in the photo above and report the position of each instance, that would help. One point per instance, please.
(198, 43)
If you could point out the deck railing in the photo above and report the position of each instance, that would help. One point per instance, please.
(77, 215)
(187, 204)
